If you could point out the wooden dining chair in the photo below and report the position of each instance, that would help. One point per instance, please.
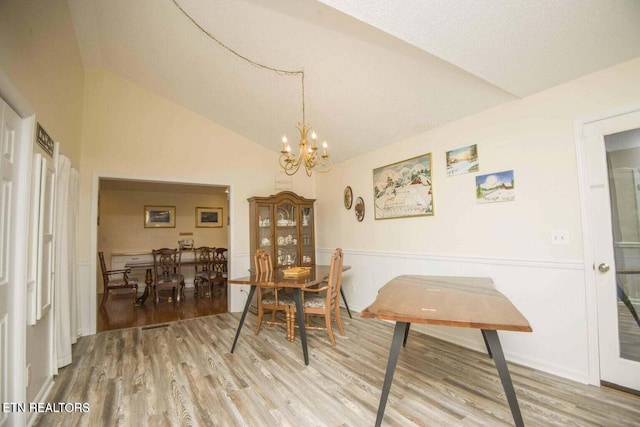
(268, 298)
(220, 266)
(323, 301)
(116, 279)
(167, 273)
(204, 271)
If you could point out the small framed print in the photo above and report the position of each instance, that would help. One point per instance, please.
(208, 217)
(348, 197)
(159, 217)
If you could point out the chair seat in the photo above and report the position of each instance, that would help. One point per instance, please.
(310, 301)
(119, 283)
(171, 278)
(283, 299)
(202, 275)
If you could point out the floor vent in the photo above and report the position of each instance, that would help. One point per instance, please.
(164, 325)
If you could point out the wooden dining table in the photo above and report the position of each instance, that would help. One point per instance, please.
(148, 278)
(467, 302)
(276, 279)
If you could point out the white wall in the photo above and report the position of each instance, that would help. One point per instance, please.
(509, 241)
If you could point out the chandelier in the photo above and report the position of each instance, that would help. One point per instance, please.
(307, 153)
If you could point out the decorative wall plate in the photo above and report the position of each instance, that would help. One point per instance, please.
(359, 209)
(348, 197)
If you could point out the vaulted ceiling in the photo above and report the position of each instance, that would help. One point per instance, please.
(376, 71)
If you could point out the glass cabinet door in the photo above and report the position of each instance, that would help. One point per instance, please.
(264, 228)
(306, 236)
(286, 235)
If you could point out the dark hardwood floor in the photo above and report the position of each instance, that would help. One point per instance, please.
(119, 311)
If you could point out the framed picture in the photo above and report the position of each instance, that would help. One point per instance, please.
(348, 197)
(495, 187)
(159, 217)
(403, 189)
(208, 217)
(462, 160)
(359, 209)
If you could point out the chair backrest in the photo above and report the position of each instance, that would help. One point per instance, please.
(262, 261)
(166, 264)
(220, 260)
(204, 256)
(335, 279)
(103, 267)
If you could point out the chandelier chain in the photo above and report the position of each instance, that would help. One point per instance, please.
(244, 58)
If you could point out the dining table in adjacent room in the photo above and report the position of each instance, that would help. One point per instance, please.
(467, 302)
(148, 279)
(277, 279)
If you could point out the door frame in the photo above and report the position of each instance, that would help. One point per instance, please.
(593, 374)
(89, 315)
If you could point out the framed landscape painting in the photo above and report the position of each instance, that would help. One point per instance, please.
(159, 217)
(208, 217)
(462, 160)
(495, 187)
(403, 189)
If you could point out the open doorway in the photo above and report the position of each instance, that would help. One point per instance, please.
(124, 234)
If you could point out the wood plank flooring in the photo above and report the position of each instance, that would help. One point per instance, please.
(184, 375)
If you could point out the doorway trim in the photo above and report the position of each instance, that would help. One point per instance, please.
(593, 374)
(91, 296)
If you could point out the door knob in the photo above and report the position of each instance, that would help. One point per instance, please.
(604, 267)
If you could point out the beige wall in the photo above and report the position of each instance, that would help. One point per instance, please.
(121, 226)
(40, 57)
(533, 136)
(508, 241)
(132, 133)
(39, 53)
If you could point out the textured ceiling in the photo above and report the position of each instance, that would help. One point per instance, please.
(375, 72)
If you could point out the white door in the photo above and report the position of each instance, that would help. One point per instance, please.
(612, 154)
(11, 162)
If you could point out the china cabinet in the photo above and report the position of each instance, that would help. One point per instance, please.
(283, 224)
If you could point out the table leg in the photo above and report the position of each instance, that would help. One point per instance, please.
(398, 336)
(244, 314)
(486, 343)
(148, 281)
(406, 335)
(345, 302)
(297, 296)
(495, 349)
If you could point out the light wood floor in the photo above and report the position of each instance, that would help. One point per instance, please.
(183, 374)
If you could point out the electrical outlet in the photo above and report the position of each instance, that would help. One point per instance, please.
(560, 237)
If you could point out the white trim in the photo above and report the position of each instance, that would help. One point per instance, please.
(512, 262)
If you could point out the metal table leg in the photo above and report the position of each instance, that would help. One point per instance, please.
(297, 296)
(345, 303)
(244, 314)
(495, 349)
(398, 338)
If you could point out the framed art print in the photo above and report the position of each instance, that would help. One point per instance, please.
(403, 189)
(159, 216)
(208, 217)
